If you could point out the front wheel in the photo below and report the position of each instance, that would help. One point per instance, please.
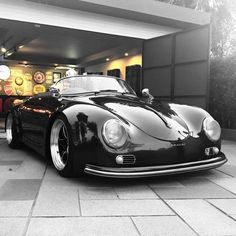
(61, 148)
(12, 135)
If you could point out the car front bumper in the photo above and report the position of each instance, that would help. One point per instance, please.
(149, 171)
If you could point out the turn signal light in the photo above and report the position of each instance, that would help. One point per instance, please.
(211, 151)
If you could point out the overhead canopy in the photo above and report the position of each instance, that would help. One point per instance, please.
(138, 19)
(85, 32)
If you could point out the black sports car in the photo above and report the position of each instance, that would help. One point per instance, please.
(98, 125)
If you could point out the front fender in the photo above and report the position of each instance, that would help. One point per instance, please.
(193, 117)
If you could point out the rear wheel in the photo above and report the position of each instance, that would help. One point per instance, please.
(61, 148)
(12, 136)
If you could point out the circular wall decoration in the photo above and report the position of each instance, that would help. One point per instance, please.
(39, 77)
(38, 88)
(5, 72)
(19, 81)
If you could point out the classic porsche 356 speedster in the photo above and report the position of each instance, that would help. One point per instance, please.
(98, 125)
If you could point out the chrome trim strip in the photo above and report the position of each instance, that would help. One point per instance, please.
(137, 172)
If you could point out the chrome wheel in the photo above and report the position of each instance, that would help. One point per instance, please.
(9, 124)
(59, 144)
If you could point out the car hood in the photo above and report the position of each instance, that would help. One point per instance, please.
(155, 119)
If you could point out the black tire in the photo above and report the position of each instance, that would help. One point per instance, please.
(62, 149)
(12, 136)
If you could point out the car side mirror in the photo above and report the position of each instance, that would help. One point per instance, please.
(53, 90)
(145, 92)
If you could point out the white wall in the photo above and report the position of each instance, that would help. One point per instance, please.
(116, 64)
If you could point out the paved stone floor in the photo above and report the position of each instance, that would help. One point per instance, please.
(35, 200)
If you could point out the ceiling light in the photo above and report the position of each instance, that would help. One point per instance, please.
(107, 59)
(62, 68)
(126, 54)
(9, 53)
(21, 46)
(72, 66)
(3, 49)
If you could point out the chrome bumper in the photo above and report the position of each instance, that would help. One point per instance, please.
(136, 172)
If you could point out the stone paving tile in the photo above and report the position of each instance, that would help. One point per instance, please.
(12, 226)
(51, 176)
(135, 192)
(57, 201)
(99, 226)
(8, 169)
(194, 188)
(229, 184)
(9, 163)
(15, 208)
(226, 205)
(2, 141)
(233, 216)
(95, 193)
(2, 136)
(20, 189)
(2, 182)
(209, 174)
(165, 183)
(228, 169)
(203, 217)
(124, 208)
(162, 225)
(33, 165)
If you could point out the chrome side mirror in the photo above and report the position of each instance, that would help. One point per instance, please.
(53, 90)
(145, 92)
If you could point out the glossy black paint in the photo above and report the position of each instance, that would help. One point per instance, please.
(158, 133)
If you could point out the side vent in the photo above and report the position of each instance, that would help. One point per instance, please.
(125, 159)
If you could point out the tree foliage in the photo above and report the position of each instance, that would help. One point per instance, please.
(223, 91)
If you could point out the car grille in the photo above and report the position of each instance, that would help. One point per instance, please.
(126, 159)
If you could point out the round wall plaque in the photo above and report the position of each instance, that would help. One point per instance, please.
(5, 72)
(38, 88)
(39, 77)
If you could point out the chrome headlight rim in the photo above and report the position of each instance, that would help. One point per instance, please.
(121, 141)
(206, 122)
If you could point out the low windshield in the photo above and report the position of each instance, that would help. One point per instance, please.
(85, 84)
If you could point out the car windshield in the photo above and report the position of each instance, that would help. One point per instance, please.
(96, 84)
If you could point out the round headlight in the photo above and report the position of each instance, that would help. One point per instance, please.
(114, 133)
(212, 129)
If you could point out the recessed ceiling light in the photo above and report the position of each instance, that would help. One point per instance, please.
(21, 46)
(107, 59)
(126, 54)
(9, 53)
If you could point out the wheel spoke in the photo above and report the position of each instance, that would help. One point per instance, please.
(64, 132)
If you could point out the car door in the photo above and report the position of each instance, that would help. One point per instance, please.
(34, 118)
